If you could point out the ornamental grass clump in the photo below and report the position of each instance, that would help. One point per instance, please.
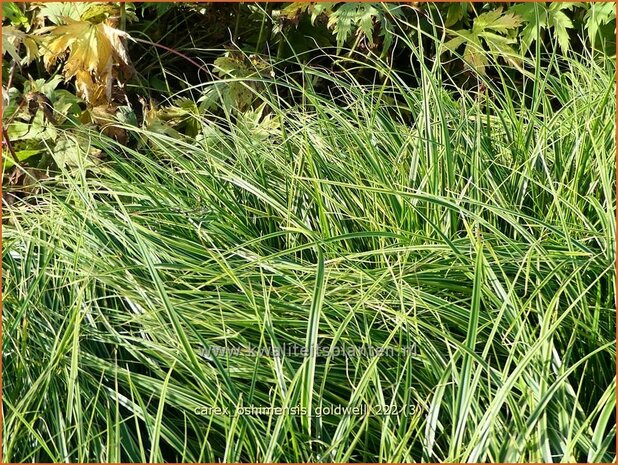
(467, 233)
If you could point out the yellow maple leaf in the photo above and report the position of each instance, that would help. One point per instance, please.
(11, 40)
(89, 88)
(93, 50)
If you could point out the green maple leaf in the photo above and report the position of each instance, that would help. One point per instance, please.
(365, 21)
(314, 9)
(539, 17)
(598, 15)
(341, 21)
(361, 16)
(495, 21)
(359, 19)
(456, 12)
(489, 29)
(236, 93)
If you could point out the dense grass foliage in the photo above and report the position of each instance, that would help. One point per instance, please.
(470, 233)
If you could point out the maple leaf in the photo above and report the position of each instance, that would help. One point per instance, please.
(491, 29)
(243, 73)
(539, 17)
(456, 12)
(293, 10)
(598, 15)
(12, 38)
(341, 22)
(72, 152)
(93, 50)
(495, 21)
(60, 12)
(92, 47)
(353, 14)
(89, 88)
(361, 18)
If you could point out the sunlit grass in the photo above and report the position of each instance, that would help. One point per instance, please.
(473, 235)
